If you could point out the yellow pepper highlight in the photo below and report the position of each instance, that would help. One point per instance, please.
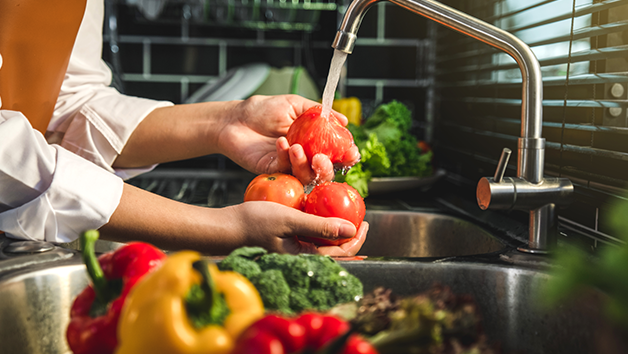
(154, 318)
(351, 107)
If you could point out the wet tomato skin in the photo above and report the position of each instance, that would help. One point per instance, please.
(277, 187)
(321, 135)
(332, 199)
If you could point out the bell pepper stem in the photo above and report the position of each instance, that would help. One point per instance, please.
(208, 287)
(100, 283)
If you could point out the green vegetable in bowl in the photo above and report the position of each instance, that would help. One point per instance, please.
(294, 283)
(387, 148)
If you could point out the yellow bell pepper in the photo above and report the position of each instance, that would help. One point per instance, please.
(351, 107)
(155, 317)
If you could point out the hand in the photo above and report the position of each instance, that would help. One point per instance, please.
(273, 226)
(254, 138)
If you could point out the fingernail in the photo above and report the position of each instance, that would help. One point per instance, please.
(283, 143)
(346, 230)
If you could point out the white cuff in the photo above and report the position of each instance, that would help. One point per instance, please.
(101, 128)
(82, 196)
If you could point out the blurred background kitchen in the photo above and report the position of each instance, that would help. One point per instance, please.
(465, 96)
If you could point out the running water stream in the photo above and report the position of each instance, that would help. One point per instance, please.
(337, 61)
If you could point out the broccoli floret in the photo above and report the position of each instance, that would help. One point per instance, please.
(331, 284)
(244, 266)
(242, 260)
(325, 271)
(294, 269)
(249, 252)
(289, 283)
(300, 300)
(348, 288)
(322, 299)
(273, 289)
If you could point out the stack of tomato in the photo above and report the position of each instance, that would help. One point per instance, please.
(317, 135)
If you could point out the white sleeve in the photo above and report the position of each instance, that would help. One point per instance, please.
(92, 119)
(46, 192)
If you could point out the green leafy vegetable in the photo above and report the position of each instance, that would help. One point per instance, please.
(357, 178)
(374, 156)
(294, 283)
(390, 117)
(387, 148)
(575, 270)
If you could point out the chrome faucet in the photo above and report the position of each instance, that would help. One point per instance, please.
(529, 190)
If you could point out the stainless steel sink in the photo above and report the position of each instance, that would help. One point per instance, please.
(35, 303)
(35, 307)
(420, 234)
(508, 298)
(405, 234)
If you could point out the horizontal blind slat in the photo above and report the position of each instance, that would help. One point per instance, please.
(546, 103)
(585, 79)
(516, 12)
(551, 169)
(571, 126)
(585, 55)
(587, 150)
(581, 33)
(585, 10)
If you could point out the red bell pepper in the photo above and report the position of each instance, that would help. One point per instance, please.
(95, 312)
(307, 333)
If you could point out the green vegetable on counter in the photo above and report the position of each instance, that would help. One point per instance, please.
(294, 283)
(576, 271)
(387, 148)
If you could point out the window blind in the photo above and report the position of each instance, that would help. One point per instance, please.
(582, 46)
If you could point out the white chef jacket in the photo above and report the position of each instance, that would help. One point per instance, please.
(55, 187)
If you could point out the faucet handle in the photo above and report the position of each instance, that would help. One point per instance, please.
(502, 165)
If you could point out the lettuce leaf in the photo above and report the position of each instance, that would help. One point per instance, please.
(387, 148)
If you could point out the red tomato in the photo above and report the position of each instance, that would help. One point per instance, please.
(332, 199)
(320, 135)
(278, 187)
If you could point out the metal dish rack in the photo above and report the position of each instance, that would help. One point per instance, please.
(290, 15)
(207, 188)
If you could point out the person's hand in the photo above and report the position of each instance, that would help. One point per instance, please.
(254, 138)
(274, 227)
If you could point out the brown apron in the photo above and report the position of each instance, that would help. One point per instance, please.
(36, 40)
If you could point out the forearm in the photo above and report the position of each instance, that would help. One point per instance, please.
(176, 133)
(171, 225)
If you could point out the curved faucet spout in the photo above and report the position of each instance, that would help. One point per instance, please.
(531, 145)
(530, 191)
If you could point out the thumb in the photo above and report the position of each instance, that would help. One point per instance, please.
(322, 227)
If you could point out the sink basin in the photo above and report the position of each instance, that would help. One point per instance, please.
(35, 308)
(404, 234)
(35, 304)
(420, 234)
(508, 301)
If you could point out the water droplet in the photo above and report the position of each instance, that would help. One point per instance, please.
(343, 273)
(310, 273)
